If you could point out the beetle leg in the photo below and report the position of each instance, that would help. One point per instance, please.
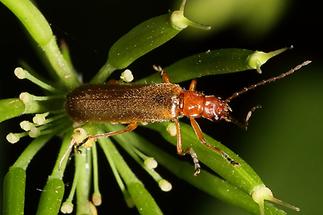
(201, 138)
(178, 138)
(163, 73)
(130, 127)
(197, 167)
(192, 85)
(67, 152)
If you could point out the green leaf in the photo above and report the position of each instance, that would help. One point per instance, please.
(14, 191)
(51, 197)
(10, 108)
(32, 19)
(140, 40)
(145, 203)
(53, 192)
(214, 62)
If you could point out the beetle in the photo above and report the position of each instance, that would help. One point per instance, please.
(132, 104)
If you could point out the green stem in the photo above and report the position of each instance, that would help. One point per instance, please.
(121, 185)
(62, 157)
(30, 151)
(66, 54)
(10, 108)
(96, 197)
(103, 74)
(67, 206)
(15, 179)
(22, 73)
(40, 31)
(53, 192)
(131, 151)
(82, 165)
(144, 202)
(65, 73)
(37, 104)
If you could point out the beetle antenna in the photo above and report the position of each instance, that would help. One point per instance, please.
(249, 114)
(245, 123)
(267, 81)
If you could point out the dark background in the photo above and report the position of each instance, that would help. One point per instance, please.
(283, 143)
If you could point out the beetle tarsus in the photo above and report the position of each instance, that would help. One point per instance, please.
(197, 166)
(163, 73)
(229, 159)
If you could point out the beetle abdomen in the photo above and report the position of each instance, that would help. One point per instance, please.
(124, 103)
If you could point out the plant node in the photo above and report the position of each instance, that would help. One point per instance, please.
(261, 193)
